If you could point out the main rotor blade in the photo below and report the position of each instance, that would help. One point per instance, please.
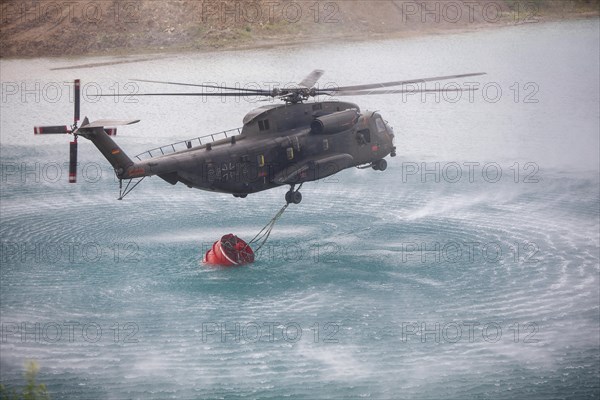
(398, 83)
(312, 78)
(266, 92)
(396, 91)
(227, 94)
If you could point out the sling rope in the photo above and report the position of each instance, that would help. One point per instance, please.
(262, 236)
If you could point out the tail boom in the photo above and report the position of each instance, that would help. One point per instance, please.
(96, 133)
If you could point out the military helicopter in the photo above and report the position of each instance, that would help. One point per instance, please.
(279, 144)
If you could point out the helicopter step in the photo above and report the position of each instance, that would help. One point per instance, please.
(379, 165)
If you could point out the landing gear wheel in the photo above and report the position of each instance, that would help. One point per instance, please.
(293, 196)
(380, 165)
(296, 197)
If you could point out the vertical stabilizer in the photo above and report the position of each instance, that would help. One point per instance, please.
(108, 147)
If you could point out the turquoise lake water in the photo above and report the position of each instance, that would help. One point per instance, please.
(468, 269)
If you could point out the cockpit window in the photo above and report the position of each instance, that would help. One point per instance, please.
(363, 136)
(380, 125)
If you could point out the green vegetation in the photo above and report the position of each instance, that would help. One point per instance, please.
(31, 391)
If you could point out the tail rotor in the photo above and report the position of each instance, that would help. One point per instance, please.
(64, 129)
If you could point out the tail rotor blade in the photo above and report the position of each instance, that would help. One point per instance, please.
(51, 130)
(77, 93)
(73, 162)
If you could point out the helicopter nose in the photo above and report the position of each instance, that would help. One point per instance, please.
(389, 130)
(391, 134)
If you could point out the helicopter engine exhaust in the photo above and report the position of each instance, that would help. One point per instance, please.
(334, 123)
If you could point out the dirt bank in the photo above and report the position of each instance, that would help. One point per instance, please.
(91, 27)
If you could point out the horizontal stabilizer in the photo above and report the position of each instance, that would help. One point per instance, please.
(108, 122)
(49, 130)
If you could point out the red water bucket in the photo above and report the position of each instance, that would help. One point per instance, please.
(229, 251)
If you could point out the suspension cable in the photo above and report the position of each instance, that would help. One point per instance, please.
(262, 236)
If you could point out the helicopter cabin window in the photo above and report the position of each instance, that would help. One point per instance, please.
(380, 125)
(263, 124)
